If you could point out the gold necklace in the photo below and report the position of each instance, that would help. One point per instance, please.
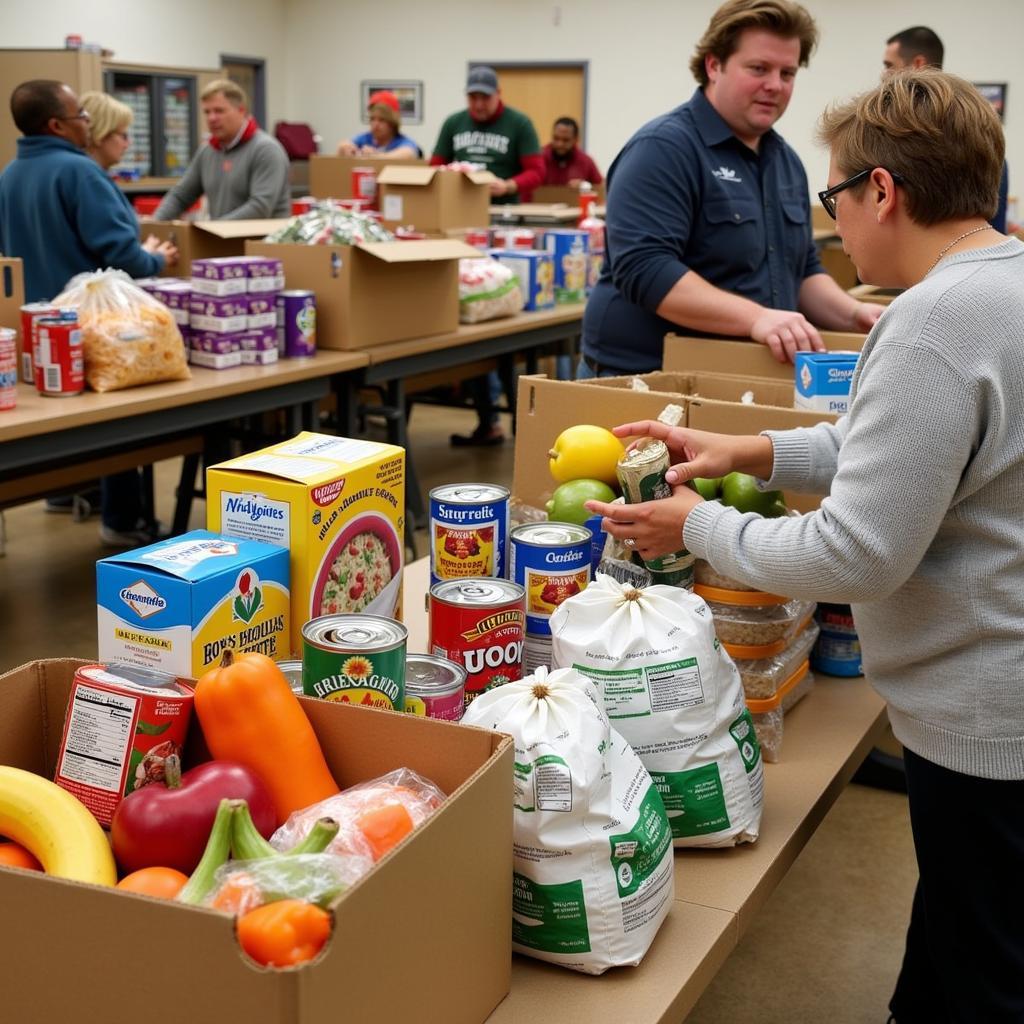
(959, 238)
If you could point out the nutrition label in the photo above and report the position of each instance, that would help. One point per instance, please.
(552, 784)
(99, 737)
(639, 692)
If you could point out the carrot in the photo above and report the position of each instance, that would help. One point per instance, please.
(384, 827)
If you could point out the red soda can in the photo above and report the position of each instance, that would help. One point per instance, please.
(8, 368)
(480, 624)
(30, 313)
(58, 358)
(364, 184)
(480, 237)
(303, 205)
(587, 200)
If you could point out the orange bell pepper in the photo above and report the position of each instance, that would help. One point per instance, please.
(13, 855)
(163, 883)
(250, 715)
(384, 827)
(284, 933)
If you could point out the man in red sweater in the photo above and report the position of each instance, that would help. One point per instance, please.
(564, 162)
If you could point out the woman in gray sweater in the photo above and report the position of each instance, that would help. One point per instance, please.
(921, 528)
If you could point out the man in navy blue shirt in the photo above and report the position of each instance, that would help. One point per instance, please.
(708, 217)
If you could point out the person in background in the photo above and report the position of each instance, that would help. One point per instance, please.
(385, 134)
(564, 162)
(242, 171)
(708, 219)
(933, 566)
(920, 47)
(503, 141)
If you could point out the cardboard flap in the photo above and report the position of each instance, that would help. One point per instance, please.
(416, 252)
(393, 175)
(241, 228)
(481, 177)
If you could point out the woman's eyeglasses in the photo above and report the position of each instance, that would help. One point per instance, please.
(827, 197)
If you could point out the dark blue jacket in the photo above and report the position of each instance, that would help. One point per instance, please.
(685, 194)
(63, 216)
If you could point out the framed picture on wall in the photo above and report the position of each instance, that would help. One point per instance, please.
(995, 93)
(408, 94)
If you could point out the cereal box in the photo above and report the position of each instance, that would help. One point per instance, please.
(823, 380)
(570, 249)
(337, 503)
(177, 605)
(536, 273)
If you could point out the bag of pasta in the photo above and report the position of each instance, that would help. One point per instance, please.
(128, 337)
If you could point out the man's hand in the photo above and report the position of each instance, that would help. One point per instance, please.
(785, 333)
(575, 182)
(503, 187)
(656, 527)
(169, 251)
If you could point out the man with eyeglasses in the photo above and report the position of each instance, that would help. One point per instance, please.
(58, 211)
(708, 213)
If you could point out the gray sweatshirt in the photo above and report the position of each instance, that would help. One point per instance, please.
(923, 526)
(248, 181)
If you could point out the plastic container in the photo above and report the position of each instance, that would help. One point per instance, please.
(705, 575)
(753, 619)
(769, 715)
(763, 677)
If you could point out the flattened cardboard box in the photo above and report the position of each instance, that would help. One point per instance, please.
(376, 292)
(432, 199)
(330, 177)
(206, 239)
(425, 937)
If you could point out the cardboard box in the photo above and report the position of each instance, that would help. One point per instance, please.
(376, 292)
(436, 911)
(742, 358)
(838, 265)
(823, 381)
(873, 293)
(330, 177)
(434, 200)
(570, 250)
(205, 239)
(318, 495)
(12, 298)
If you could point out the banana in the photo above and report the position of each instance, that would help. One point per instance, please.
(55, 826)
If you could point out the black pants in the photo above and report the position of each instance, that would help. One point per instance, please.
(964, 962)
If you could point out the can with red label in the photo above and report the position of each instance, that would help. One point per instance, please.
(480, 237)
(434, 687)
(514, 238)
(364, 184)
(122, 724)
(31, 312)
(8, 368)
(480, 624)
(57, 358)
(303, 205)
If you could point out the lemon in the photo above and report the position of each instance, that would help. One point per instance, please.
(585, 451)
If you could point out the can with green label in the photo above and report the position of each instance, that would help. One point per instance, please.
(355, 659)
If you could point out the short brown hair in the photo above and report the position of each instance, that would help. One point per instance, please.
(232, 93)
(783, 18)
(934, 129)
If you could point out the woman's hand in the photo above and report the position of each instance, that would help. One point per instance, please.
(655, 527)
(346, 148)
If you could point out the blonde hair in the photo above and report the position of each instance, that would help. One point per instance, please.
(233, 93)
(782, 18)
(106, 115)
(934, 129)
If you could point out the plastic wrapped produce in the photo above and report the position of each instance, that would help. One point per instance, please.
(487, 290)
(328, 224)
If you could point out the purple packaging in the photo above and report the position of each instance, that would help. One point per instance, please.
(215, 351)
(149, 284)
(263, 274)
(176, 295)
(262, 310)
(259, 346)
(296, 323)
(222, 314)
(222, 275)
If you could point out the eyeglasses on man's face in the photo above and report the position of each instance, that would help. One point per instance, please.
(827, 197)
(82, 115)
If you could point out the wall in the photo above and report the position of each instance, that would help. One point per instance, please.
(188, 33)
(638, 57)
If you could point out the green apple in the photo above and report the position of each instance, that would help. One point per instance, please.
(566, 504)
(708, 488)
(740, 491)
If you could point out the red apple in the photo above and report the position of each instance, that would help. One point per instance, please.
(168, 824)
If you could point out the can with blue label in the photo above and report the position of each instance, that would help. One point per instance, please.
(296, 323)
(468, 531)
(551, 561)
(597, 539)
(837, 651)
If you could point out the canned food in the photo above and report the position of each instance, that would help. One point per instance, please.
(641, 472)
(514, 238)
(434, 687)
(57, 359)
(480, 237)
(303, 205)
(364, 184)
(31, 312)
(8, 368)
(409, 235)
(480, 625)
(296, 323)
(292, 671)
(122, 724)
(468, 531)
(355, 659)
(837, 651)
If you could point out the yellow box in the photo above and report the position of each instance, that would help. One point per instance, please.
(337, 504)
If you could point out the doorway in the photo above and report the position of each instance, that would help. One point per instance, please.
(250, 74)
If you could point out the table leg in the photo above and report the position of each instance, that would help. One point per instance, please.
(186, 492)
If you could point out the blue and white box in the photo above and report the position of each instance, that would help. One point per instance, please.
(569, 248)
(823, 380)
(536, 273)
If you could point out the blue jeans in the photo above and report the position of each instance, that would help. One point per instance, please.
(584, 372)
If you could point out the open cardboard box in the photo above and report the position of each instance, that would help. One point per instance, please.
(432, 199)
(425, 937)
(874, 293)
(330, 177)
(206, 239)
(375, 292)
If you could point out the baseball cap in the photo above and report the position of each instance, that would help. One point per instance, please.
(482, 79)
(384, 98)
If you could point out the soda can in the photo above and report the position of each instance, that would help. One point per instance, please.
(434, 687)
(480, 237)
(8, 368)
(31, 312)
(514, 238)
(480, 625)
(59, 364)
(468, 531)
(364, 184)
(296, 323)
(303, 205)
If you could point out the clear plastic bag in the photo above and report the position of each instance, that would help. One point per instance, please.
(762, 677)
(487, 290)
(128, 336)
(328, 224)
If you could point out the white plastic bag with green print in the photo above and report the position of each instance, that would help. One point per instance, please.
(593, 873)
(675, 695)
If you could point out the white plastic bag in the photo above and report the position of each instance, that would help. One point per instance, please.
(593, 875)
(487, 290)
(675, 695)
